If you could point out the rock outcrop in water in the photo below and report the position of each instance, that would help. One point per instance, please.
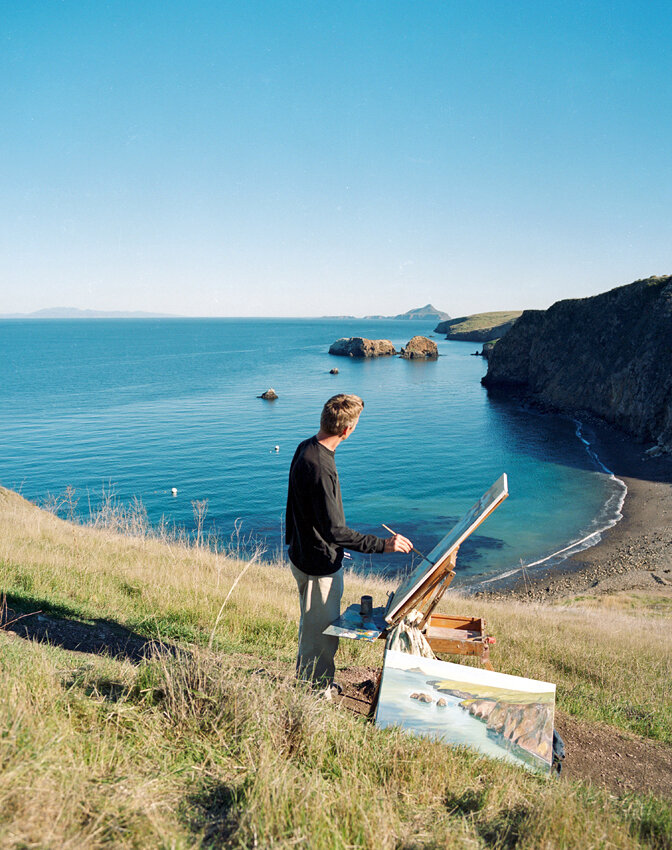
(610, 355)
(357, 346)
(420, 348)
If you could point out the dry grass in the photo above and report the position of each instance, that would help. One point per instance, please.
(482, 322)
(202, 750)
(206, 749)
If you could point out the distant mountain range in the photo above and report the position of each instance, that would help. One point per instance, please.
(74, 313)
(428, 313)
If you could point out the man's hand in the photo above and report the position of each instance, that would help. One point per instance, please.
(398, 543)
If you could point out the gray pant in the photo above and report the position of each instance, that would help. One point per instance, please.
(320, 601)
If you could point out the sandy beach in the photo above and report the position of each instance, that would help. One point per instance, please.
(634, 555)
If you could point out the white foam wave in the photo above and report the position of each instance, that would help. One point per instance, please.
(612, 513)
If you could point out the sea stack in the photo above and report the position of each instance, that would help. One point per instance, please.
(420, 348)
(357, 346)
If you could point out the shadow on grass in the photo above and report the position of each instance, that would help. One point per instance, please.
(210, 812)
(58, 625)
(503, 830)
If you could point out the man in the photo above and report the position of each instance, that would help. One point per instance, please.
(317, 535)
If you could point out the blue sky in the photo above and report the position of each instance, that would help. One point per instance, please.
(308, 158)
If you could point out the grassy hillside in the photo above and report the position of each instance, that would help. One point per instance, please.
(480, 327)
(213, 744)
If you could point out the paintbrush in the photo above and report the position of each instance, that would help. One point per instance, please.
(417, 551)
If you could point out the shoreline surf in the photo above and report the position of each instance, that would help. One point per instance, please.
(632, 555)
(610, 515)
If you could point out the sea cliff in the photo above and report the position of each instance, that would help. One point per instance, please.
(609, 355)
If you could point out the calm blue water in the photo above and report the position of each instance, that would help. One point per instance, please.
(147, 405)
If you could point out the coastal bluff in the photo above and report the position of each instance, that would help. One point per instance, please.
(609, 354)
(479, 327)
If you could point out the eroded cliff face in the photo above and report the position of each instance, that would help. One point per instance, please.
(610, 354)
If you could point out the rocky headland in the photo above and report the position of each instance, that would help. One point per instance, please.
(428, 313)
(479, 327)
(357, 346)
(609, 355)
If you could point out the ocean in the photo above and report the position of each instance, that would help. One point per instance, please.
(135, 408)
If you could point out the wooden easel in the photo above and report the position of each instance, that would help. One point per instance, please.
(446, 633)
(422, 590)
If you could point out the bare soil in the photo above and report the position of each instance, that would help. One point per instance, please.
(98, 637)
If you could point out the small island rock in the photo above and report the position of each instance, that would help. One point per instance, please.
(270, 394)
(333, 371)
(421, 697)
(357, 346)
(420, 348)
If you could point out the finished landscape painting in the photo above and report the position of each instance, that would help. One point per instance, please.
(502, 716)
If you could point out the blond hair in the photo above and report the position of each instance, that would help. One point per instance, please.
(339, 413)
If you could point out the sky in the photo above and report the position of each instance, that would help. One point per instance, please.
(215, 158)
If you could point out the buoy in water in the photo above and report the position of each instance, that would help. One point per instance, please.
(174, 491)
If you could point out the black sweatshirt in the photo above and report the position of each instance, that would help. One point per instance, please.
(316, 529)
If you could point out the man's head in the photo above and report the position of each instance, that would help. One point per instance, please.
(340, 414)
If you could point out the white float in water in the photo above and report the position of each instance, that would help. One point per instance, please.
(174, 491)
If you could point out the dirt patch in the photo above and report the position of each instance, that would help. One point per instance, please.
(620, 761)
(596, 753)
(99, 637)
